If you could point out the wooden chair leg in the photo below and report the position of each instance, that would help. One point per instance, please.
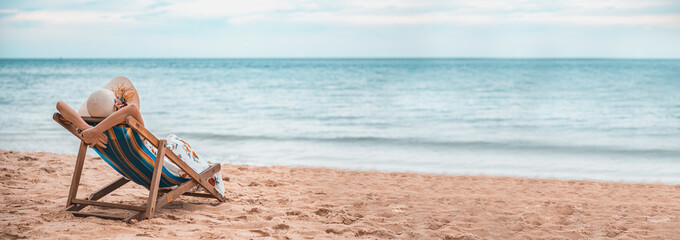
(75, 180)
(186, 186)
(193, 194)
(108, 188)
(155, 180)
(99, 193)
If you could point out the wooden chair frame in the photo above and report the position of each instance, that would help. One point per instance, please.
(157, 197)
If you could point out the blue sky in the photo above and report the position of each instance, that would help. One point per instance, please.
(300, 28)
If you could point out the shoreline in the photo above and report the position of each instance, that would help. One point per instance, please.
(304, 202)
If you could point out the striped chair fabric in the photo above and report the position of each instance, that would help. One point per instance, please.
(127, 154)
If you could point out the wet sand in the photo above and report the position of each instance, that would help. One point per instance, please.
(303, 203)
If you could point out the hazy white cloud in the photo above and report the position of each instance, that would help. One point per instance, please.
(66, 17)
(212, 28)
(8, 11)
(494, 5)
(618, 4)
(389, 4)
(391, 19)
(381, 12)
(601, 20)
(226, 8)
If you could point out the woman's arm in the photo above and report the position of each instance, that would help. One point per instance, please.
(114, 119)
(73, 117)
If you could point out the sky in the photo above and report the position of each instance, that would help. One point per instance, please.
(349, 28)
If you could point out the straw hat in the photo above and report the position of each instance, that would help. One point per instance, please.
(101, 102)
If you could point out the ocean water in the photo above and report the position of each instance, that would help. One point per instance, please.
(601, 119)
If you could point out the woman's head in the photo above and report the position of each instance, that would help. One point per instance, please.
(116, 94)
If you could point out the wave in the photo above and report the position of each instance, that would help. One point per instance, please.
(519, 145)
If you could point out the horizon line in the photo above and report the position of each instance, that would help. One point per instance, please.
(332, 58)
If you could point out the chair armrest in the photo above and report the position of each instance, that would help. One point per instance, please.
(66, 124)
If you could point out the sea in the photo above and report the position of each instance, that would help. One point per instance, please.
(593, 119)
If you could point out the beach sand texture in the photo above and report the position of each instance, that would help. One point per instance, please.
(304, 203)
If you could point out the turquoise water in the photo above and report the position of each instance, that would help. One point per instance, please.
(597, 119)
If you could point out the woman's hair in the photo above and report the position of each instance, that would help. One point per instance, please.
(123, 93)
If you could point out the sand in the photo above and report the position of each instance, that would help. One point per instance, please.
(303, 203)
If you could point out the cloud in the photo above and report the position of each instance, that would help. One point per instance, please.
(8, 11)
(617, 4)
(380, 12)
(600, 20)
(391, 19)
(285, 28)
(67, 17)
(227, 8)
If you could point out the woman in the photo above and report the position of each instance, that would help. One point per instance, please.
(116, 101)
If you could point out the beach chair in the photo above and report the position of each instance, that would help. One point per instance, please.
(128, 155)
